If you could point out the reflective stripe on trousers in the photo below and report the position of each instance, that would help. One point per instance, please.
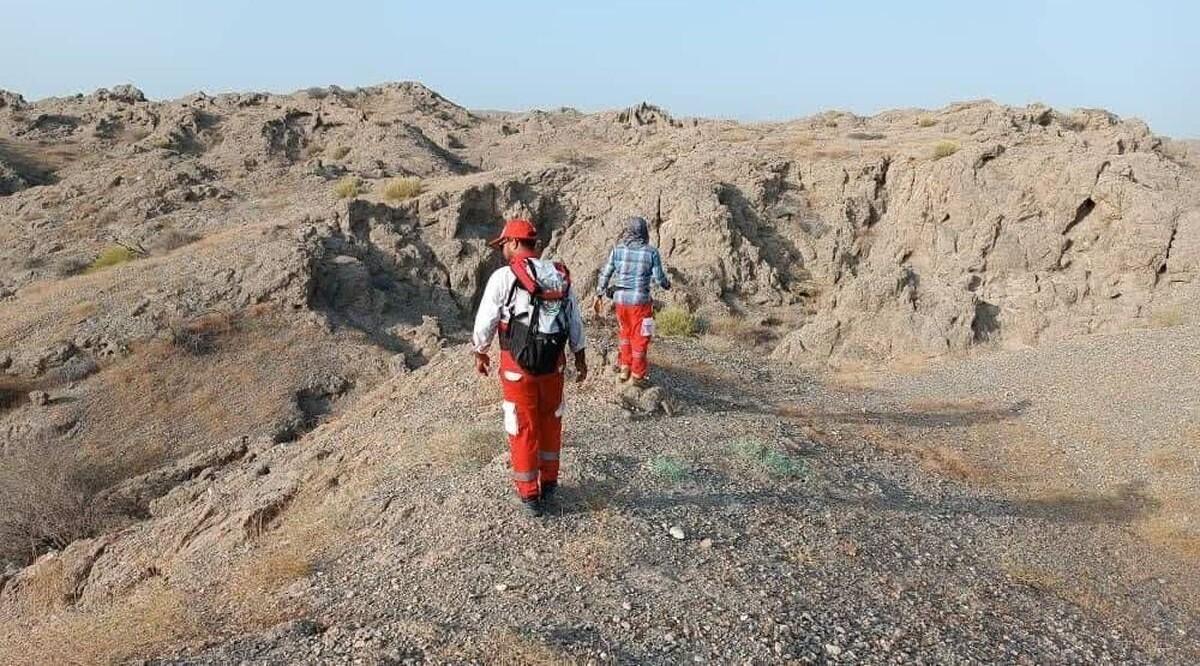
(533, 421)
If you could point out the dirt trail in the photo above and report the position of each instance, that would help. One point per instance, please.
(803, 540)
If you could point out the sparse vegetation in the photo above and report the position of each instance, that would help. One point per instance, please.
(775, 462)
(49, 497)
(399, 189)
(675, 321)
(671, 469)
(199, 335)
(341, 152)
(113, 255)
(573, 157)
(171, 239)
(944, 149)
(348, 187)
(926, 121)
(1167, 317)
(466, 450)
(866, 136)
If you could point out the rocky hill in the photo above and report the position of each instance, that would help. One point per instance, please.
(235, 411)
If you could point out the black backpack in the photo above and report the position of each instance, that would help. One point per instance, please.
(536, 341)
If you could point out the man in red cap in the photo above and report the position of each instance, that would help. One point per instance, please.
(530, 302)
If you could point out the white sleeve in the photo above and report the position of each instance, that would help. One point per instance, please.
(575, 320)
(488, 316)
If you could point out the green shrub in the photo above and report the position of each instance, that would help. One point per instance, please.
(669, 468)
(341, 152)
(675, 321)
(944, 149)
(775, 462)
(399, 189)
(348, 187)
(112, 255)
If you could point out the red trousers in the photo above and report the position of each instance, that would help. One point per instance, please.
(636, 323)
(533, 407)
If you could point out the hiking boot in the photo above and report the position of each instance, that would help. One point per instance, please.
(532, 506)
(640, 382)
(548, 492)
(623, 373)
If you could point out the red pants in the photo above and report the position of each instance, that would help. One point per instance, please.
(533, 407)
(634, 337)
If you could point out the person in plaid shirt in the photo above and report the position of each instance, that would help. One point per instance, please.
(626, 279)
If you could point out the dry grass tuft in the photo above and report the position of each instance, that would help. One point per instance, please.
(675, 321)
(926, 121)
(114, 255)
(944, 149)
(348, 187)
(341, 152)
(399, 189)
(1168, 317)
(466, 449)
(147, 621)
(509, 648)
(936, 458)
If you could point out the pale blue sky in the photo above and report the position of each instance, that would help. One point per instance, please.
(749, 60)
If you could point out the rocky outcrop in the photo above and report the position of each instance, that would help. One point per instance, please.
(906, 232)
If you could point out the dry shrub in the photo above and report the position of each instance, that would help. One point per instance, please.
(49, 497)
(926, 121)
(199, 335)
(341, 152)
(399, 189)
(13, 392)
(348, 187)
(944, 149)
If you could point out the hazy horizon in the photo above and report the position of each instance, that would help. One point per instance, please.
(764, 61)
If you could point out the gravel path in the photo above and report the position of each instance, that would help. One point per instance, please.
(757, 525)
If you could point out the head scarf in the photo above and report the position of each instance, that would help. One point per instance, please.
(637, 232)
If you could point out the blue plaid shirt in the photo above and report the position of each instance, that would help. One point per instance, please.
(628, 273)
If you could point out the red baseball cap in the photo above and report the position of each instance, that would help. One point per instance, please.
(517, 229)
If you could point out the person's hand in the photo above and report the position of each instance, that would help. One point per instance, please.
(581, 369)
(483, 363)
(598, 305)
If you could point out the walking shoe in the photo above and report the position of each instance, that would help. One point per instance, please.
(640, 382)
(623, 374)
(548, 490)
(532, 506)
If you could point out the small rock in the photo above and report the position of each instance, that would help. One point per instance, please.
(832, 649)
(39, 398)
(501, 587)
(706, 543)
(677, 533)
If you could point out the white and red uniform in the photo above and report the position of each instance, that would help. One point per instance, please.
(533, 404)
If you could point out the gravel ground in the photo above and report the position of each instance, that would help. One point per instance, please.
(756, 525)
